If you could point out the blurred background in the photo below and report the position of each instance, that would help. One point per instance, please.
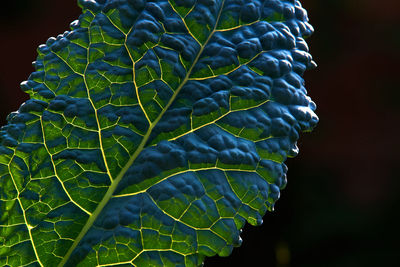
(341, 204)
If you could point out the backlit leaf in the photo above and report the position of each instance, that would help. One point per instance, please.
(154, 131)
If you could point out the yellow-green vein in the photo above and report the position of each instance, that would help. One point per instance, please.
(117, 180)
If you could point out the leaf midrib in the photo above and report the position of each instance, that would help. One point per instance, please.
(118, 179)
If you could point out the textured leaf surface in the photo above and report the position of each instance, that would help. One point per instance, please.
(154, 131)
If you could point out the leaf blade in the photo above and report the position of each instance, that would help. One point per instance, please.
(174, 128)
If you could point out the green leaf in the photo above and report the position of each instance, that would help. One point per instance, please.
(154, 131)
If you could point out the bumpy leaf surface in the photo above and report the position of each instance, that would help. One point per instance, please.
(154, 131)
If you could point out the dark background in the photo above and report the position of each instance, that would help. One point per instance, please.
(341, 205)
